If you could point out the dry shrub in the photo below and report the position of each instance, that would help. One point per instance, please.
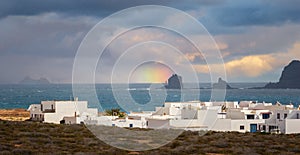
(34, 137)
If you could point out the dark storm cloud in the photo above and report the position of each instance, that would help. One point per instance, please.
(247, 13)
(33, 7)
(40, 38)
(47, 35)
(79, 7)
(91, 7)
(222, 12)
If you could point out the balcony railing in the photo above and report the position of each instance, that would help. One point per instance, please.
(48, 110)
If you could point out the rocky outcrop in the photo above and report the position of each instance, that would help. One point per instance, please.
(174, 82)
(290, 77)
(29, 80)
(221, 85)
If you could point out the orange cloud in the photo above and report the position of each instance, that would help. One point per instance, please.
(253, 65)
(222, 45)
(294, 52)
(285, 57)
(192, 56)
(250, 66)
(201, 68)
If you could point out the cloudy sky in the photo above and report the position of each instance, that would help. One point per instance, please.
(40, 39)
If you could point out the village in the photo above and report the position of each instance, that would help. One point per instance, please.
(243, 116)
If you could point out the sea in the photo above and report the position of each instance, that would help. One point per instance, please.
(137, 97)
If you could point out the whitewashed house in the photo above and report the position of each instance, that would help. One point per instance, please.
(246, 116)
(69, 112)
(284, 121)
(36, 113)
(193, 115)
(132, 120)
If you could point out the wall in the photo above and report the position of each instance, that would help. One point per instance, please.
(35, 112)
(156, 124)
(292, 126)
(47, 105)
(68, 109)
(101, 120)
(211, 117)
(188, 114)
(126, 123)
(52, 118)
(235, 124)
(192, 123)
(221, 125)
(161, 111)
(70, 120)
(174, 111)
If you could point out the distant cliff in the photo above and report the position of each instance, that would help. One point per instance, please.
(290, 77)
(174, 82)
(29, 80)
(221, 85)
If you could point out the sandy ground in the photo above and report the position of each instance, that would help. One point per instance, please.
(14, 114)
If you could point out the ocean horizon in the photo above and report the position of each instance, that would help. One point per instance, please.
(21, 96)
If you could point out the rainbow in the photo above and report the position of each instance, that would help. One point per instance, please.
(151, 72)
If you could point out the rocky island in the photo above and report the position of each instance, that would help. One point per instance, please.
(29, 80)
(221, 85)
(174, 82)
(290, 77)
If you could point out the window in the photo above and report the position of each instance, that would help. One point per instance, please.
(265, 116)
(285, 116)
(242, 127)
(130, 125)
(250, 116)
(278, 115)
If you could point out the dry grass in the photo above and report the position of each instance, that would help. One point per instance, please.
(33, 137)
(14, 114)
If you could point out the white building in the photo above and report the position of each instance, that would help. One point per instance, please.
(187, 115)
(62, 111)
(284, 121)
(75, 112)
(132, 120)
(246, 116)
(36, 113)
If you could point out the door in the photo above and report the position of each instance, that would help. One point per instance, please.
(253, 127)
